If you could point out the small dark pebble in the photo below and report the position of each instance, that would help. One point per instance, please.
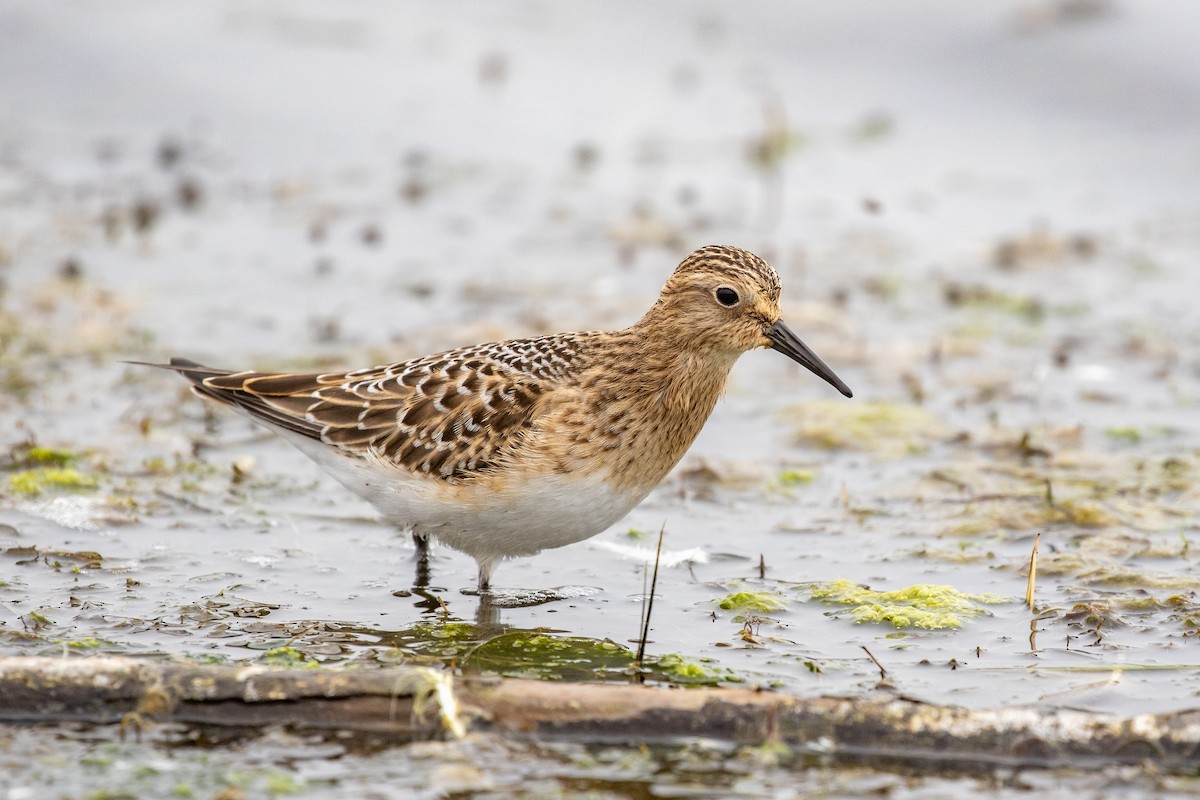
(1062, 354)
(954, 294)
(145, 215)
(110, 220)
(108, 151)
(913, 386)
(1083, 246)
(71, 270)
(586, 155)
(493, 69)
(325, 330)
(170, 151)
(1008, 255)
(414, 190)
(189, 193)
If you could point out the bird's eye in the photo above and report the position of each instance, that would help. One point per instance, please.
(727, 297)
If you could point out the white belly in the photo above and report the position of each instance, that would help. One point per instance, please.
(553, 511)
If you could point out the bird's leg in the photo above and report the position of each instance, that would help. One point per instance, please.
(421, 543)
(485, 576)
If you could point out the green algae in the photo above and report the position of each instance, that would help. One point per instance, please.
(88, 643)
(280, 783)
(429, 642)
(1122, 576)
(542, 655)
(36, 620)
(966, 553)
(1122, 434)
(1189, 621)
(34, 456)
(692, 672)
(752, 601)
(879, 426)
(35, 481)
(533, 654)
(1071, 489)
(790, 479)
(925, 606)
(796, 477)
(1084, 513)
(89, 558)
(288, 658)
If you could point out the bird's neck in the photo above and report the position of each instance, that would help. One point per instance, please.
(654, 398)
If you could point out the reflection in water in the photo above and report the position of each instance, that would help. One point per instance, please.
(487, 614)
(488, 646)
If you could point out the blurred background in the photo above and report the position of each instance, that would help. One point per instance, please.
(985, 215)
(293, 180)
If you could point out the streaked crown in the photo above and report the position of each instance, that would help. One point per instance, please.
(720, 260)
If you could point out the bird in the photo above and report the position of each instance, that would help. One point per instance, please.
(505, 449)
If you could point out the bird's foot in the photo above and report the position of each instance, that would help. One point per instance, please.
(525, 598)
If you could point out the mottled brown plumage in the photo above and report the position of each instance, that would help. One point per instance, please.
(504, 449)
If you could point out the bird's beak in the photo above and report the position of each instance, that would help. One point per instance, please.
(782, 339)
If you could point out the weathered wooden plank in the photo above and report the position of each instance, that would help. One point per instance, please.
(413, 702)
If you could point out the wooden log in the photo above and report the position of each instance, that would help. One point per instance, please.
(414, 702)
(885, 726)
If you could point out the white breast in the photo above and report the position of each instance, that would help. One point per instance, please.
(552, 511)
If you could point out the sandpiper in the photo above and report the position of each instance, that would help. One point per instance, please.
(509, 448)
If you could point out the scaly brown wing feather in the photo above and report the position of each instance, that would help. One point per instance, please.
(449, 415)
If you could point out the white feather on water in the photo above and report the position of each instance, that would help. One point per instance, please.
(637, 552)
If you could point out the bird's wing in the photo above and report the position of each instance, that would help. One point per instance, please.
(449, 415)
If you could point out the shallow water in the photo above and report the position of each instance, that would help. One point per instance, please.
(987, 226)
(280, 764)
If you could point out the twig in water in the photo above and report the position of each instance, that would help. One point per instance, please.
(882, 671)
(1029, 587)
(642, 614)
(762, 567)
(641, 652)
(183, 501)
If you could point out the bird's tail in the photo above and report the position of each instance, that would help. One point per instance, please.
(258, 406)
(193, 371)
